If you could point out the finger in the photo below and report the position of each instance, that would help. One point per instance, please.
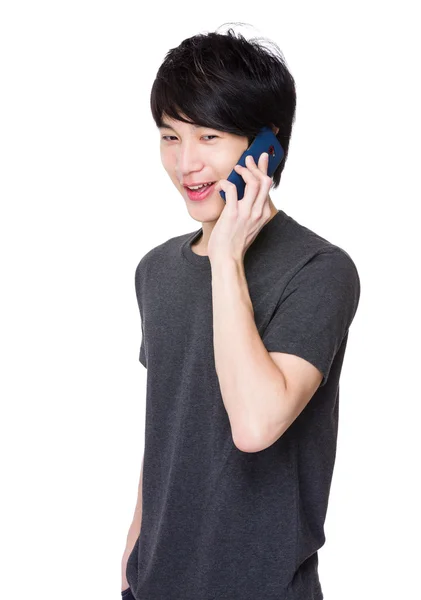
(255, 183)
(262, 166)
(252, 184)
(231, 197)
(260, 170)
(263, 163)
(256, 194)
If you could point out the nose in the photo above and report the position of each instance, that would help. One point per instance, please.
(189, 159)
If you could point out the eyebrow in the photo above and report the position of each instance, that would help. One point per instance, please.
(166, 126)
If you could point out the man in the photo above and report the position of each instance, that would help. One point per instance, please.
(244, 328)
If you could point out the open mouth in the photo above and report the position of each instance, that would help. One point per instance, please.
(200, 187)
(203, 192)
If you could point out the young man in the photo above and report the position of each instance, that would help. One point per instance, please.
(244, 327)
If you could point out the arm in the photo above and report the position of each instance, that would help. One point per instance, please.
(134, 531)
(261, 398)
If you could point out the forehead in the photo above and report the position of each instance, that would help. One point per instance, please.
(169, 123)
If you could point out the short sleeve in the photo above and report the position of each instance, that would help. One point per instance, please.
(139, 278)
(142, 355)
(316, 310)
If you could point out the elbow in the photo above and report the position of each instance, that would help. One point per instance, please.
(256, 442)
(249, 441)
(246, 447)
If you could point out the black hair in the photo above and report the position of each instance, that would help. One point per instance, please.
(227, 83)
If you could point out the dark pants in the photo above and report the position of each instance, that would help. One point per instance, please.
(127, 594)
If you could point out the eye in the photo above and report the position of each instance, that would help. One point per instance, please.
(173, 136)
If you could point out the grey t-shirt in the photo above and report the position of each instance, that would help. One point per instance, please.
(219, 523)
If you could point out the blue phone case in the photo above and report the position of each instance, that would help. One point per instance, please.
(265, 141)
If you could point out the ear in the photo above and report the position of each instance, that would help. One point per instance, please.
(275, 129)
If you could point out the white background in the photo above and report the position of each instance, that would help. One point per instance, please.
(84, 196)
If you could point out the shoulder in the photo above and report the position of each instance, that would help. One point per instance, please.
(159, 256)
(334, 260)
(304, 249)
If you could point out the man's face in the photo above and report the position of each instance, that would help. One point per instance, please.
(193, 155)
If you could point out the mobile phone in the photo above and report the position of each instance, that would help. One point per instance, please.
(265, 141)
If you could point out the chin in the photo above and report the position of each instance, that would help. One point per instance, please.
(206, 211)
(205, 214)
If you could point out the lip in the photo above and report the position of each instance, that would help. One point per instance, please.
(200, 194)
(196, 183)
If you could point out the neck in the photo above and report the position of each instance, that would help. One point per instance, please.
(202, 244)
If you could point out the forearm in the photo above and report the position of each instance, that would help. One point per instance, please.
(136, 523)
(134, 531)
(134, 528)
(251, 385)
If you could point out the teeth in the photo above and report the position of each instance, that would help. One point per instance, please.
(198, 187)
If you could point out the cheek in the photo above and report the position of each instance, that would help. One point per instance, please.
(217, 163)
(168, 162)
(229, 159)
